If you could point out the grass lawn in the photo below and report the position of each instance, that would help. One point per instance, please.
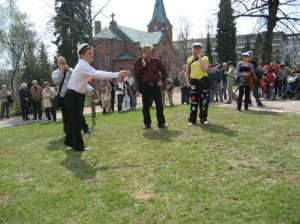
(241, 168)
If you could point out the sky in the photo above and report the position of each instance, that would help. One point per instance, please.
(134, 14)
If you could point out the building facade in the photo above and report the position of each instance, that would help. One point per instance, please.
(117, 47)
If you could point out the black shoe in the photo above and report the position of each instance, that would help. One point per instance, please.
(40, 118)
(146, 127)
(84, 149)
(88, 131)
(261, 105)
(247, 109)
(164, 126)
(27, 119)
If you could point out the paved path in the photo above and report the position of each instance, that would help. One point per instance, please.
(288, 106)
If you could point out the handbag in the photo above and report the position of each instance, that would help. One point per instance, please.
(9, 99)
(56, 100)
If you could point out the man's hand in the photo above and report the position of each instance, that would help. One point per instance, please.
(123, 73)
(159, 83)
(63, 67)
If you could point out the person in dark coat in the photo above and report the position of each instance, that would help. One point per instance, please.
(24, 96)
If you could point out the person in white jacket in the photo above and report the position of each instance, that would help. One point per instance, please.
(48, 95)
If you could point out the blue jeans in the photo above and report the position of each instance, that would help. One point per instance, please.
(120, 98)
(133, 101)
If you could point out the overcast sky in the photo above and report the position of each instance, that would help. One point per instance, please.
(137, 14)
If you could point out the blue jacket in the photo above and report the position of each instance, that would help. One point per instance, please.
(215, 76)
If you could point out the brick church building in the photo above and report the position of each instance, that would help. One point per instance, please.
(117, 47)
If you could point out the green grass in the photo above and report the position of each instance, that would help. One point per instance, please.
(241, 168)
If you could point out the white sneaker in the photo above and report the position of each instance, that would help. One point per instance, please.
(190, 123)
(205, 122)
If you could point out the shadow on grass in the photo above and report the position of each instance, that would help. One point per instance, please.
(261, 112)
(214, 128)
(57, 144)
(79, 167)
(162, 135)
(118, 166)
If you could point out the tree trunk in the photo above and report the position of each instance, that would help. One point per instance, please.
(271, 23)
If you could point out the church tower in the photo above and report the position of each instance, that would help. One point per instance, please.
(160, 21)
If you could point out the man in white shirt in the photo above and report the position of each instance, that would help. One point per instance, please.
(76, 88)
(57, 77)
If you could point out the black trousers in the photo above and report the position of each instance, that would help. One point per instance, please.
(198, 98)
(37, 108)
(281, 87)
(50, 111)
(73, 102)
(65, 115)
(152, 91)
(64, 112)
(243, 89)
(84, 125)
(24, 112)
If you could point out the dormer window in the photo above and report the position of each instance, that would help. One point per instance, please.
(155, 28)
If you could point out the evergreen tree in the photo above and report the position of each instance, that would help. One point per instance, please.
(30, 68)
(43, 65)
(208, 49)
(257, 49)
(72, 27)
(226, 33)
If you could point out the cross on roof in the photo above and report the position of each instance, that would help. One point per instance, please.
(113, 17)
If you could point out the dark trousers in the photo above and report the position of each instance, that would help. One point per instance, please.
(256, 96)
(73, 101)
(4, 107)
(37, 108)
(84, 125)
(120, 98)
(201, 99)
(185, 95)
(152, 91)
(65, 115)
(50, 111)
(243, 89)
(112, 102)
(281, 87)
(24, 112)
(64, 112)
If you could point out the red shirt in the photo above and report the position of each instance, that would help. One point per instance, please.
(150, 72)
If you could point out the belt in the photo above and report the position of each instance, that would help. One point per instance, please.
(150, 83)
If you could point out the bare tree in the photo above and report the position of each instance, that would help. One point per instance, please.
(15, 36)
(184, 31)
(272, 15)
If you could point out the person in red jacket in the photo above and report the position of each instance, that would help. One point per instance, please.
(268, 78)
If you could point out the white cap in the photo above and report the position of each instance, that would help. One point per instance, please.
(245, 54)
(250, 52)
(81, 47)
(197, 44)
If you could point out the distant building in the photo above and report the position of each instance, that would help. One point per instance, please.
(117, 47)
(285, 47)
